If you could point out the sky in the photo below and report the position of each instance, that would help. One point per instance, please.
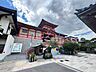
(59, 12)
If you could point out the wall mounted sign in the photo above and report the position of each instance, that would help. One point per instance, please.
(17, 47)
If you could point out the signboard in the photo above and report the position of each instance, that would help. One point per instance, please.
(17, 47)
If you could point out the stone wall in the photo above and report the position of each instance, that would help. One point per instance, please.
(26, 42)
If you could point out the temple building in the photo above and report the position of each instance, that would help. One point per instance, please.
(41, 34)
(45, 29)
(12, 32)
(88, 16)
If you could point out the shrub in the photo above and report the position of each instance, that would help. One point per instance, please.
(70, 48)
(91, 48)
(31, 55)
(47, 56)
(47, 53)
(29, 51)
(53, 44)
(61, 50)
(49, 49)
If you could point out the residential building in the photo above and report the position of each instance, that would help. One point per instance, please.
(8, 28)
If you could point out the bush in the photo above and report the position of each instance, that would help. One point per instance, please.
(61, 50)
(91, 48)
(49, 49)
(31, 56)
(47, 53)
(53, 44)
(70, 48)
(47, 56)
(29, 51)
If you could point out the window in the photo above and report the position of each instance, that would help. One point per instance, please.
(32, 32)
(38, 33)
(24, 31)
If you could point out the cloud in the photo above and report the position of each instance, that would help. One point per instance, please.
(84, 33)
(60, 12)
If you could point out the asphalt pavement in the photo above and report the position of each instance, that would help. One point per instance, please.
(51, 67)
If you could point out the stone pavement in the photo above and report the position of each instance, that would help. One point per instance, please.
(18, 62)
(83, 62)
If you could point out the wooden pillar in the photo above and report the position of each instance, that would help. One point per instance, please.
(19, 31)
(28, 33)
(35, 35)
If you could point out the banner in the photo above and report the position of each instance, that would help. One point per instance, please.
(17, 47)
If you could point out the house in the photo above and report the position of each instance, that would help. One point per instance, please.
(8, 28)
(72, 39)
(88, 16)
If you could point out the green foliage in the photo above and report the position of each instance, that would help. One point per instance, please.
(85, 44)
(47, 56)
(60, 49)
(93, 39)
(83, 39)
(49, 49)
(93, 45)
(70, 47)
(53, 44)
(47, 53)
(32, 57)
(88, 45)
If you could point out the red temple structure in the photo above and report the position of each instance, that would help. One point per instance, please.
(45, 28)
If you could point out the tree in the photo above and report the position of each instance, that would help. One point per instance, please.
(53, 44)
(82, 39)
(70, 47)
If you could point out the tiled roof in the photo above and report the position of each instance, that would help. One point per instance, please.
(44, 22)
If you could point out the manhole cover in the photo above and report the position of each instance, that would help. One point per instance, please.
(61, 61)
(66, 60)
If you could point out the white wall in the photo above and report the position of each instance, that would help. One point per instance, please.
(4, 22)
(8, 45)
(2, 56)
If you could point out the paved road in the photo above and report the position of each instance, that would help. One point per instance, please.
(52, 67)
